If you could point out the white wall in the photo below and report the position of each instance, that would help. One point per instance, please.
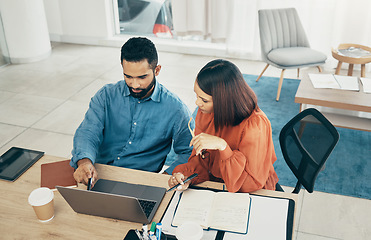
(79, 21)
(53, 17)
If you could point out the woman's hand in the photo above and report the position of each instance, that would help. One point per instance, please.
(177, 178)
(205, 141)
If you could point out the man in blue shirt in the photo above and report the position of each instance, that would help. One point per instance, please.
(134, 122)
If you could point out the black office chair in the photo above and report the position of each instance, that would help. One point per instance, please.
(306, 142)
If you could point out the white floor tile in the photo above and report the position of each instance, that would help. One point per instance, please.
(166, 58)
(8, 132)
(64, 119)
(89, 91)
(114, 74)
(17, 80)
(5, 96)
(60, 86)
(51, 143)
(198, 62)
(25, 110)
(88, 67)
(335, 216)
(306, 236)
(180, 76)
(55, 63)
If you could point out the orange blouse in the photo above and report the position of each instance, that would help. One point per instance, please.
(246, 164)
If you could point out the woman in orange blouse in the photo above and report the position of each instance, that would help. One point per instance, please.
(233, 137)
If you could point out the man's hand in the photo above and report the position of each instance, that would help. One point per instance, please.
(85, 171)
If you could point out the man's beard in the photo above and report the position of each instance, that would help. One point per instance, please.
(144, 91)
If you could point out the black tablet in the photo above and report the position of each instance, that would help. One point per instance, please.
(15, 161)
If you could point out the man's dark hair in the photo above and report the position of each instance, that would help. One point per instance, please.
(137, 49)
(233, 99)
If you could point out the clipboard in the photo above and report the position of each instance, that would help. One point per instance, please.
(219, 235)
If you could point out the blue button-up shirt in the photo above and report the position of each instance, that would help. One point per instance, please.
(121, 130)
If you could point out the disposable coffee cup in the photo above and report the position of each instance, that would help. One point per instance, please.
(189, 231)
(42, 201)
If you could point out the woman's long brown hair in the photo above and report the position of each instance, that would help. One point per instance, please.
(233, 99)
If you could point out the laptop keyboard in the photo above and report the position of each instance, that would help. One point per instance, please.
(147, 206)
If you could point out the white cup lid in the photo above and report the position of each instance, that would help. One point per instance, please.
(189, 231)
(40, 196)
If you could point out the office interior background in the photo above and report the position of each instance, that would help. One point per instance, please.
(57, 53)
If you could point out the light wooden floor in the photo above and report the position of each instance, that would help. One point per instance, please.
(42, 104)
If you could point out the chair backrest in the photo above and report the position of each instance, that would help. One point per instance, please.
(306, 142)
(280, 28)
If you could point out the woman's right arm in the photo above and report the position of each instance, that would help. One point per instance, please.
(195, 164)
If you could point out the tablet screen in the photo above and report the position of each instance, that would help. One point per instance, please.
(15, 161)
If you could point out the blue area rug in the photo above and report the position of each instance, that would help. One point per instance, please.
(348, 169)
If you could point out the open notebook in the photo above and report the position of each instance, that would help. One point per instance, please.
(214, 210)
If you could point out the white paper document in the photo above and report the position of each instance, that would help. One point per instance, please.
(324, 81)
(334, 81)
(347, 82)
(268, 218)
(366, 83)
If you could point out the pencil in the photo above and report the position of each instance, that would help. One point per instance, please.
(190, 129)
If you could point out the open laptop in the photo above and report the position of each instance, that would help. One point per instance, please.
(119, 200)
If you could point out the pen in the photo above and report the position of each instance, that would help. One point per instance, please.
(138, 234)
(145, 232)
(158, 231)
(152, 231)
(190, 129)
(193, 135)
(187, 180)
(89, 183)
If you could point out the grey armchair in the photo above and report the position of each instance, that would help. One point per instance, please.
(284, 43)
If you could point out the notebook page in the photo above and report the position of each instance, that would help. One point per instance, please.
(267, 220)
(366, 82)
(194, 206)
(347, 82)
(230, 212)
(323, 81)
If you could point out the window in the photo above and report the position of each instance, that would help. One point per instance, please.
(145, 17)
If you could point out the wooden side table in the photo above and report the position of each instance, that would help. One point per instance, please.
(351, 60)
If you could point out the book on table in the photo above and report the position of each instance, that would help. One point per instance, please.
(57, 174)
(334, 81)
(214, 210)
